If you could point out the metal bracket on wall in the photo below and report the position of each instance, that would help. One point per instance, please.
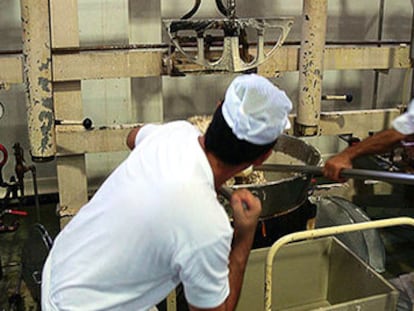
(221, 44)
(4, 86)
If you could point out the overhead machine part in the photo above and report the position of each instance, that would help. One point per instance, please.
(196, 38)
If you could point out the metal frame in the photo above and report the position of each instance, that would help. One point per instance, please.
(84, 65)
(316, 233)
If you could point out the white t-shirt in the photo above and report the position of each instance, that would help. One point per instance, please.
(405, 122)
(154, 222)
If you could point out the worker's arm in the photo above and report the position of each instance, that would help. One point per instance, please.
(132, 135)
(380, 142)
(246, 210)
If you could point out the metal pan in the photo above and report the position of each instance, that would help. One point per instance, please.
(284, 191)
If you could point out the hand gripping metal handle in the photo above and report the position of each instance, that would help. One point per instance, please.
(316, 233)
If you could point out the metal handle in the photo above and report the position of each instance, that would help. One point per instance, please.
(347, 97)
(226, 192)
(398, 178)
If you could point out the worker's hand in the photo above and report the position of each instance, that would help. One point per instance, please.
(246, 211)
(334, 165)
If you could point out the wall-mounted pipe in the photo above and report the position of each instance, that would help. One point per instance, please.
(314, 18)
(38, 78)
(380, 31)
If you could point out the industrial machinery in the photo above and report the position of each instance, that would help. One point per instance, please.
(196, 39)
(53, 66)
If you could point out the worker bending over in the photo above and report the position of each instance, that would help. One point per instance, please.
(156, 221)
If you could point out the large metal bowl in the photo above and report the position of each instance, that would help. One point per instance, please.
(283, 192)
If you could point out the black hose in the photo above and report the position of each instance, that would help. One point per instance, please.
(193, 10)
(222, 8)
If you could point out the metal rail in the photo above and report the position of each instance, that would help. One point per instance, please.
(165, 46)
(316, 233)
(399, 178)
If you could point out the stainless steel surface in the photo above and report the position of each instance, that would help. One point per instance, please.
(284, 192)
(366, 244)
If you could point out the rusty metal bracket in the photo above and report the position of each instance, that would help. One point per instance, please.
(4, 86)
(196, 38)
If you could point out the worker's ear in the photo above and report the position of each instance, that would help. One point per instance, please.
(262, 158)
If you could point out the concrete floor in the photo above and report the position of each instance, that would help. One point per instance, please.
(399, 245)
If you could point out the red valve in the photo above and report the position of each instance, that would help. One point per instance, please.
(5, 155)
(14, 212)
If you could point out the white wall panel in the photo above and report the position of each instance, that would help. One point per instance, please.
(10, 27)
(106, 102)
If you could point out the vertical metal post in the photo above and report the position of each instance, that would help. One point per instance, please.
(412, 54)
(38, 78)
(311, 67)
(379, 38)
(231, 9)
(67, 97)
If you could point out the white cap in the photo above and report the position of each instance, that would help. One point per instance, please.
(405, 122)
(256, 110)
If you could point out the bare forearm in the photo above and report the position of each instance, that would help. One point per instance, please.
(238, 261)
(380, 142)
(130, 141)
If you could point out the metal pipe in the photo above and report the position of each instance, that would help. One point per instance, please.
(398, 178)
(216, 43)
(36, 192)
(314, 18)
(38, 78)
(86, 123)
(347, 97)
(379, 37)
